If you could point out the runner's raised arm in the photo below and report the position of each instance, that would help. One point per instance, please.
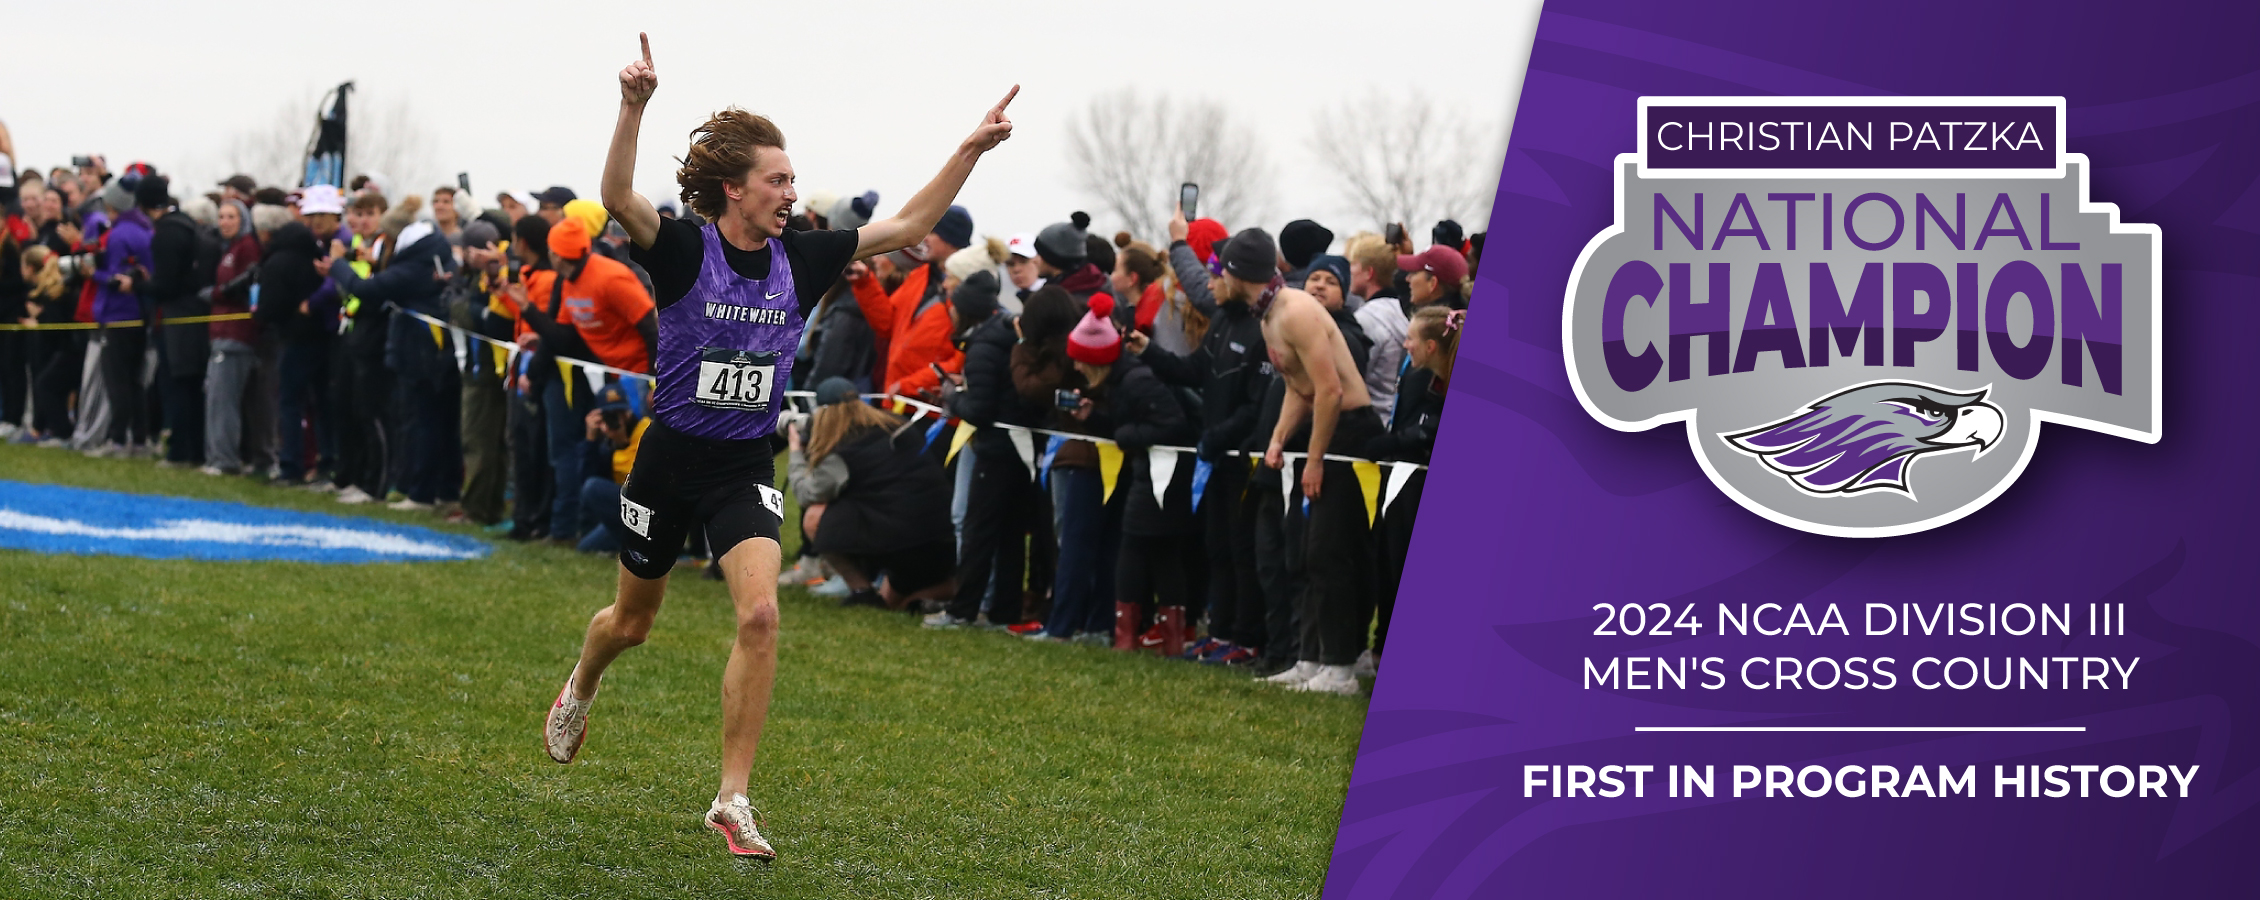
(637, 82)
(917, 217)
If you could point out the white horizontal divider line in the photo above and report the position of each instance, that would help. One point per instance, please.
(1862, 728)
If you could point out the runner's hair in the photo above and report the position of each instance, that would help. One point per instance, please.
(722, 151)
(1434, 323)
(836, 423)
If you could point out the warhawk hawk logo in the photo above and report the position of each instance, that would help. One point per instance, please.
(1868, 437)
(1930, 269)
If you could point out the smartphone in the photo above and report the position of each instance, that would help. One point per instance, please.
(1394, 234)
(1188, 196)
(1068, 399)
(80, 162)
(463, 182)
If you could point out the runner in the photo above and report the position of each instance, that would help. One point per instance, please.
(732, 297)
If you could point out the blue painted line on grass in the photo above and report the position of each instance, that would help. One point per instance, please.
(52, 519)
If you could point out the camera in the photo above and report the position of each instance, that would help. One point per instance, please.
(76, 265)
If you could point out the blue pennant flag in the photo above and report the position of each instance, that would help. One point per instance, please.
(1044, 468)
(1201, 469)
(931, 434)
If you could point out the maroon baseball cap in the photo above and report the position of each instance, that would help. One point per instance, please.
(1443, 262)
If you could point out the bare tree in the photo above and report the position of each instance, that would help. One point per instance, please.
(384, 137)
(1131, 152)
(1405, 159)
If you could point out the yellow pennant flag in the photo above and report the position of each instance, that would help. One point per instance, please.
(1110, 469)
(1369, 484)
(900, 407)
(501, 359)
(565, 374)
(957, 440)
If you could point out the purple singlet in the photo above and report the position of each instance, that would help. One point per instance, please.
(726, 349)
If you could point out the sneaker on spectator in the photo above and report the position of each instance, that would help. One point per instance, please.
(213, 470)
(834, 586)
(1026, 629)
(1095, 638)
(406, 505)
(322, 486)
(1332, 680)
(1366, 665)
(353, 496)
(1294, 675)
(803, 571)
(104, 450)
(1200, 649)
(8, 430)
(53, 443)
(943, 619)
(1234, 656)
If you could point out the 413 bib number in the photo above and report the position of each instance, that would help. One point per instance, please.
(735, 379)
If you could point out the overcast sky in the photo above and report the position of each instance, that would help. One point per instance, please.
(871, 95)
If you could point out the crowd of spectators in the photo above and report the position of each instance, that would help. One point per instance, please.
(429, 351)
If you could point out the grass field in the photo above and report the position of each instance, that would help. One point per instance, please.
(201, 729)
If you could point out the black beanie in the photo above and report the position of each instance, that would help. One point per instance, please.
(1447, 233)
(154, 192)
(1301, 240)
(1250, 256)
(975, 299)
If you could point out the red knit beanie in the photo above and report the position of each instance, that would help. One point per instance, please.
(1203, 235)
(1094, 340)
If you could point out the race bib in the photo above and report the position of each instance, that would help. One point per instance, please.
(636, 516)
(772, 499)
(735, 379)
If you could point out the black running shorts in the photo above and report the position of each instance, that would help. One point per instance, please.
(680, 481)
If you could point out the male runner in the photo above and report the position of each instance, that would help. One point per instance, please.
(1326, 399)
(732, 297)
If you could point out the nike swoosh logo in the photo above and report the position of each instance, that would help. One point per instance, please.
(773, 296)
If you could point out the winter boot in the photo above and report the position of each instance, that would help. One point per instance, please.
(1126, 616)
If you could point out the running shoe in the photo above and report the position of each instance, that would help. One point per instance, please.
(353, 496)
(832, 587)
(1331, 680)
(213, 470)
(943, 619)
(1297, 674)
(1367, 664)
(740, 826)
(1025, 629)
(1202, 648)
(406, 505)
(568, 724)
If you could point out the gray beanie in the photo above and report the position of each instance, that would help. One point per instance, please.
(1066, 245)
(852, 212)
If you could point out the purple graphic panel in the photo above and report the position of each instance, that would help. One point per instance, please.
(1569, 584)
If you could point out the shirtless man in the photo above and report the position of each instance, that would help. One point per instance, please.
(1327, 401)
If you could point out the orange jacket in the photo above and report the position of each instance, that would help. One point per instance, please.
(913, 339)
(605, 304)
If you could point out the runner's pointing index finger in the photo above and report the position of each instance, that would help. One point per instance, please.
(1008, 95)
(646, 39)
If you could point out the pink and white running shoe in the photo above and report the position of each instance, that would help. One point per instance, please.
(568, 724)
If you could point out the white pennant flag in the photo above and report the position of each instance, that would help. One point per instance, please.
(1162, 465)
(462, 348)
(1399, 473)
(596, 379)
(1024, 444)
